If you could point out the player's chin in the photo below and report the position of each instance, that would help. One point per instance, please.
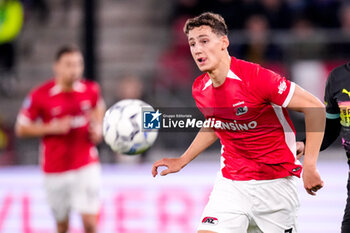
(203, 68)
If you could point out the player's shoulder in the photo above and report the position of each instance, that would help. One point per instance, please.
(42, 89)
(339, 73)
(245, 70)
(240, 65)
(243, 63)
(88, 82)
(90, 85)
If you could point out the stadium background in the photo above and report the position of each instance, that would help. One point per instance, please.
(136, 49)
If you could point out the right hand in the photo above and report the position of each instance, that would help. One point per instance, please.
(173, 165)
(59, 126)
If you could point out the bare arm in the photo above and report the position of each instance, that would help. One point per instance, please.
(203, 140)
(315, 118)
(26, 128)
(96, 119)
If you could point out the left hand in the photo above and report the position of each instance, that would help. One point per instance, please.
(312, 179)
(300, 149)
(95, 133)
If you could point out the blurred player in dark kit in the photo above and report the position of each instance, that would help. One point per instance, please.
(337, 98)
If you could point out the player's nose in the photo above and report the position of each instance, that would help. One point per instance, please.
(197, 50)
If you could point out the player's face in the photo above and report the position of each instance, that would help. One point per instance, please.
(207, 48)
(69, 68)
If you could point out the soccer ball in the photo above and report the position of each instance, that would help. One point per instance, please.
(122, 127)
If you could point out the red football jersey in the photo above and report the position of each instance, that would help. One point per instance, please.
(248, 115)
(46, 103)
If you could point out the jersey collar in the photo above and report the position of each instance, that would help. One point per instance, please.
(230, 75)
(77, 87)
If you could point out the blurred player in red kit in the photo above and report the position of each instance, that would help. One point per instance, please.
(255, 190)
(67, 113)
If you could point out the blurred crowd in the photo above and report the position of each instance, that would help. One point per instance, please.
(274, 33)
(300, 17)
(256, 27)
(279, 14)
(269, 32)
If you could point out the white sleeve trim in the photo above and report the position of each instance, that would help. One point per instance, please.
(290, 95)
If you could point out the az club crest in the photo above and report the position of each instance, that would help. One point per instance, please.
(241, 110)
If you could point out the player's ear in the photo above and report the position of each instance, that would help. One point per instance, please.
(225, 42)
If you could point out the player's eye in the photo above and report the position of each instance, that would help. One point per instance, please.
(192, 44)
(205, 41)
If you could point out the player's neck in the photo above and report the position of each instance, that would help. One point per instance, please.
(65, 87)
(218, 75)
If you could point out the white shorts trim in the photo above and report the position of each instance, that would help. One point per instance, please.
(74, 190)
(252, 206)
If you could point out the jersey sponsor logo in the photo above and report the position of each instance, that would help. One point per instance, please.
(241, 110)
(210, 220)
(239, 103)
(344, 108)
(289, 230)
(346, 92)
(231, 125)
(78, 121)
(282, 87)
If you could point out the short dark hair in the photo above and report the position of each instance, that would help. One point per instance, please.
(71, 48)
(215, 21)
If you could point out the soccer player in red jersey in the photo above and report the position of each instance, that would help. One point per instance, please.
(255, 191)
(67, 113)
